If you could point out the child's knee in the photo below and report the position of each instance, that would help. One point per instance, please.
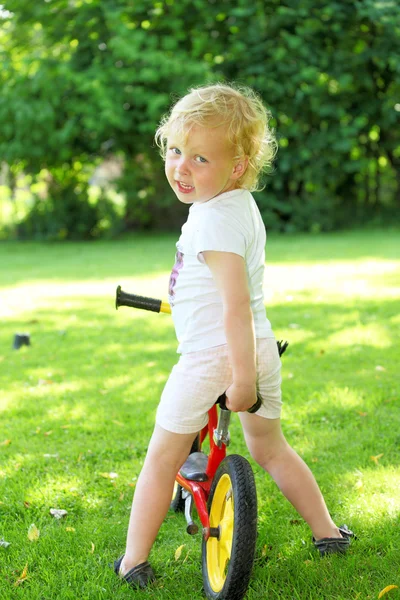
(267, 456)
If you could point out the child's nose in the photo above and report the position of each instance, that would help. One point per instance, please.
(182, 165)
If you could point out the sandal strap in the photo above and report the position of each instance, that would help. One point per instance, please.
(346, 532)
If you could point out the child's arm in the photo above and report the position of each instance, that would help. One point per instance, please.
(229, 273)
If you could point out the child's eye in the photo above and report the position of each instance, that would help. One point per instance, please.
(175, 150)
(200, 159)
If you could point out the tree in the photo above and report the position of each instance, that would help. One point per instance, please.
(83, 79)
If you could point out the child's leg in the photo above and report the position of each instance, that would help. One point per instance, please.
(166, 454)
(268, 447)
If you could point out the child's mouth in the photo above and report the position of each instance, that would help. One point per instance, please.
(184, 188)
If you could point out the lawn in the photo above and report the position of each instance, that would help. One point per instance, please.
(77, 409)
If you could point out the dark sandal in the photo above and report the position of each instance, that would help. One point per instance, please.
(334, 545)
(140, 576)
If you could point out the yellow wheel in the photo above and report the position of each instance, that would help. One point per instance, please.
(228, 556)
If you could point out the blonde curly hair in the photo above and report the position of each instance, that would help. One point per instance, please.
(246, 118)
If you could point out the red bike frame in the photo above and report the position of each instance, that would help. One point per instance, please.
(200, 490)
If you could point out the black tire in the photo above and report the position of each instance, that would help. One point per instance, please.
(227, 561)
(177, 502)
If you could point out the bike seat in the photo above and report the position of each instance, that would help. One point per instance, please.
(195, 466)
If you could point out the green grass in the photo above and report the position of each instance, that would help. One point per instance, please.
(80, 402)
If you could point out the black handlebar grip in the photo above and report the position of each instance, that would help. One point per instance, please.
(222, 403)
(255, 406)
(124, 299)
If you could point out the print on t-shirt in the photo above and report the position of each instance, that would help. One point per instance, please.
(174, 275)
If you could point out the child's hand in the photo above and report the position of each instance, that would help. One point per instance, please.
(240, 397)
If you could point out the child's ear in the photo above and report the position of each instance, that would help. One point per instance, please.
(240, 167)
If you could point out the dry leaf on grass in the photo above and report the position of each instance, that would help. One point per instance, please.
(5, 443)
(3, 543)
(70, 529)
(178, 552)
(92, 548)
(23, 576)
(58, 513)
(387, 589)
(109, 475)
(376, 458)
(33, 533)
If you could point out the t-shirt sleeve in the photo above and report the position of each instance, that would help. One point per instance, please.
(221, 235)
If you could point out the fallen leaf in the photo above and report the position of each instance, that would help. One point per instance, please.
(362, 414)
(314, 459)
(387, 589)
(58, 513)
(33, 533)
(121, 497)
(109, 475)
(92, 548)
(376, 458)
(3, 543)
(380, 368)
(70, 529)
(65, 426)
(5, 443)
(264, 550)
(79, 457)
(26, 504)
(295, 522)
(178, 552)
(23, 576)
(48, 432)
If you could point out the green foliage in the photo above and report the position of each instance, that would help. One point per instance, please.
(83, 80)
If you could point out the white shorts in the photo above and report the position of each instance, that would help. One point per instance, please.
(199, 378)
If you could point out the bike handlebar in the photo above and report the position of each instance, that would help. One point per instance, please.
(222, 403)
(124, 299)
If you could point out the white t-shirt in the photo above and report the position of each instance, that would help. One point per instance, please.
(230, 222)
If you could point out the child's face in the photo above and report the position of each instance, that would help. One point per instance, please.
(201, 165)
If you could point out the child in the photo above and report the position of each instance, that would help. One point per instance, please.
(216, 142)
